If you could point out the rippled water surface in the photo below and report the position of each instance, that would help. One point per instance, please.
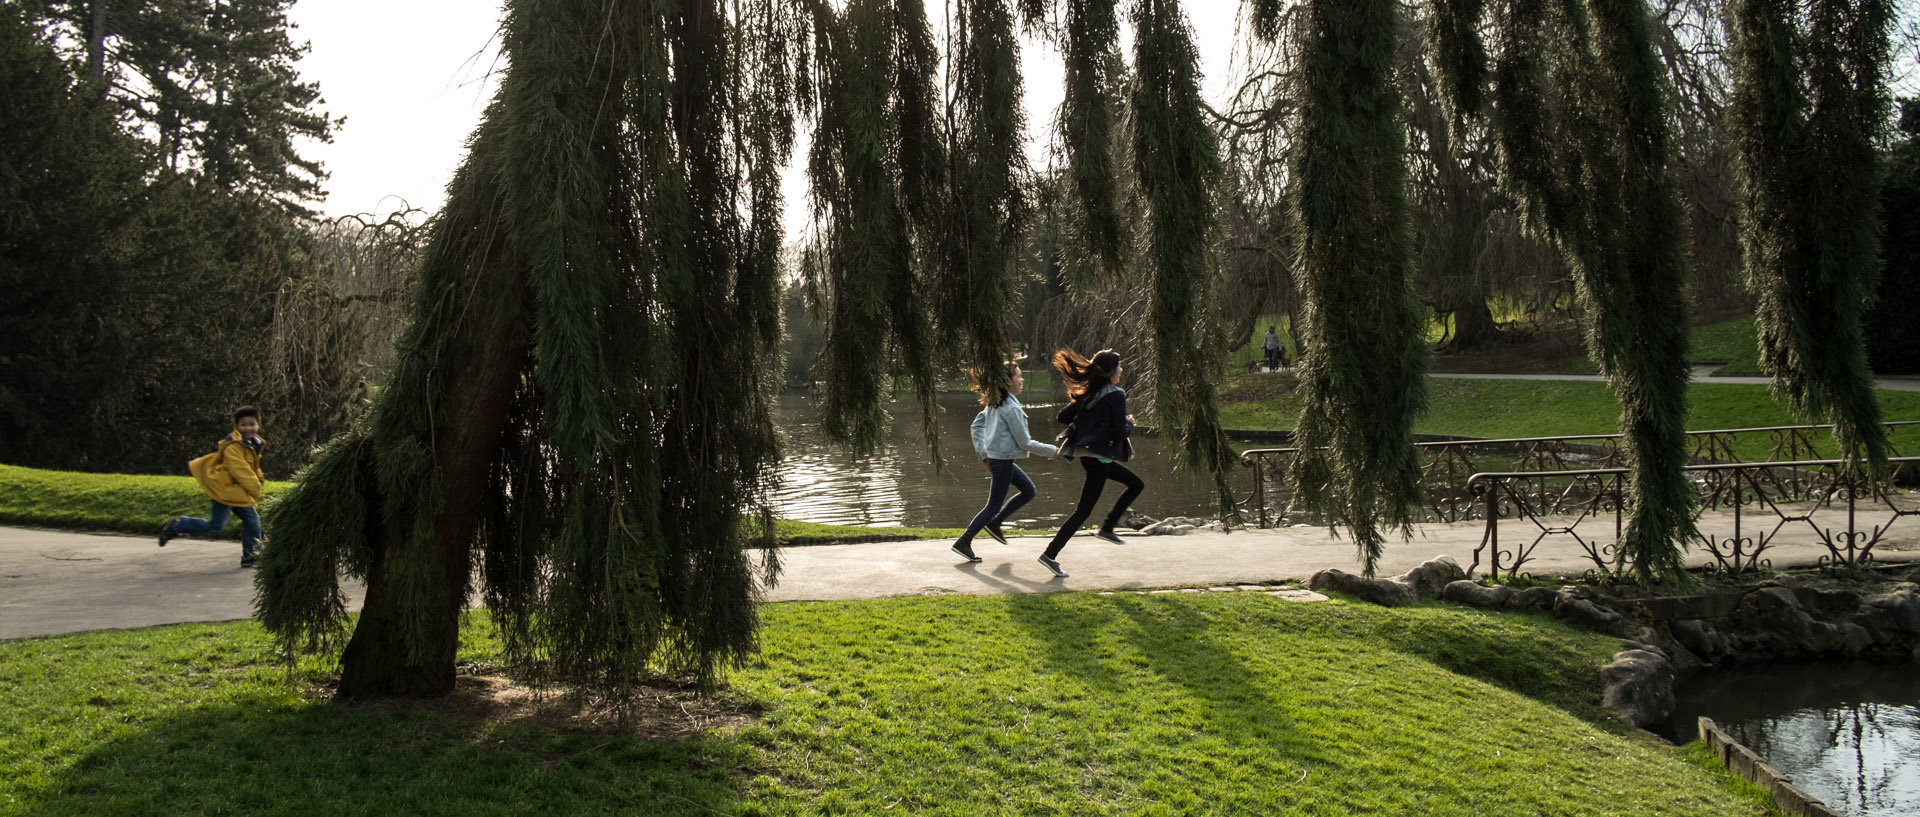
(899, 487)
(1846, 732)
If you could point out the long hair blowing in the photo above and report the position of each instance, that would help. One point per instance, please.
(1083, 376)
(991, 395)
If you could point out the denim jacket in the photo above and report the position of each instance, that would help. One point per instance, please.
(1000, 433)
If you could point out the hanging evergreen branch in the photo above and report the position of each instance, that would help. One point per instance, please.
(876, 97)
(1364, 371)
(979, 244)
(1806, 110)
(1177, 160)
(1453, 26)
(1086, 131)
(1581, 122)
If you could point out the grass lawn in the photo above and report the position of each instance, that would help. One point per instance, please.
(123, 503)
(1545, 408)
(1066, 703)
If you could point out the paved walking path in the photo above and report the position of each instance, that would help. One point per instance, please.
(54, 582)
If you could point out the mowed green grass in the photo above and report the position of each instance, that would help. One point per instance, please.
(1066, 703)
(1548, 408)
(126, 503)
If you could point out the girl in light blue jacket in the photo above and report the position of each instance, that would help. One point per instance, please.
(999, 437)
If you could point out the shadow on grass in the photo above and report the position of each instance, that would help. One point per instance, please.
(382, 759)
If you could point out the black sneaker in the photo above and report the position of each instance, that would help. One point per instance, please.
(993, 530)
(247, 560)
(1053, 566)
(169, 531)
(965, 551)
(1109, 535)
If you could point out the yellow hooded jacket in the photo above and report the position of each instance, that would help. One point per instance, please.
(231, 475)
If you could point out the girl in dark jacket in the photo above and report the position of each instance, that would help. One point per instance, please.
(1097, 435)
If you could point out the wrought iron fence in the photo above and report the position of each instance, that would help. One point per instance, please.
(1742, 510)
(1447, 464)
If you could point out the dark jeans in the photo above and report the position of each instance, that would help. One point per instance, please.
(1273, 359)
(1097, 475)
(1005, 473)
(216, 522)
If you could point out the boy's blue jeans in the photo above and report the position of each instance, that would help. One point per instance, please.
(216, 522)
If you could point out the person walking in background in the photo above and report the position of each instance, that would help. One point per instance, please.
(1273, 347)
(1097, 430)
(1000, 437)
(232, 478)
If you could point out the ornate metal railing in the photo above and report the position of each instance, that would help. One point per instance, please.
(1447, 465)
(1742, 511)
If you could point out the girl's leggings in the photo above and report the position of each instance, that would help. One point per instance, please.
(1098, 473)
(1004, 473)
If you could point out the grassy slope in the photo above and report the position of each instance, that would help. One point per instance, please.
(125, 503)
(1541, 408)
(1041, 704)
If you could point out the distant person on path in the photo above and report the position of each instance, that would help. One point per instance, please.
(1097, 429)
(1000, 437)
(1274, 348)
(231, 477)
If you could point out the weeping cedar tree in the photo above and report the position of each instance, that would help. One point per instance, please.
(582, 399)
(1364, 373)
(1809, 103)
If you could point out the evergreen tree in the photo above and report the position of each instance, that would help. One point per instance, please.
(1809, 107)
(212, 83)
(582, 399)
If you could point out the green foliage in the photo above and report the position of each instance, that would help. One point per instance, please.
(876, 174)
(211, 84)
(1177, 160)
(1073, 703)
(1364, 370)
(1809, 105)
(1089, 51)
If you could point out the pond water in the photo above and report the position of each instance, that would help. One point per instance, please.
(899, 487)
(1845, 732)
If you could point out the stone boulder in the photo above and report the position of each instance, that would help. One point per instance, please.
(1469, 592)
(1698, 637)
(1586, 615)
(1432, 577)
(1891, 617)
(1534, 600)
(1639, 687)
(1384, 592)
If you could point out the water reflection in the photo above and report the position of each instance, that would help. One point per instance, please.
(1846, 732)
(899, 487)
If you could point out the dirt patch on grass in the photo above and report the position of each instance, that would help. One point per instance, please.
(661, 712)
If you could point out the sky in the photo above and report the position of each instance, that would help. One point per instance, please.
(412, 77)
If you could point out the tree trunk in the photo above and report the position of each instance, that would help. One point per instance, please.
(97, 46)
(1472, 323)
(408, 632)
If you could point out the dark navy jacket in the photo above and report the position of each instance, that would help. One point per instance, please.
(1100, 427)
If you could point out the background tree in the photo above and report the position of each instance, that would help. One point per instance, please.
(212, 85)
(1892, 335)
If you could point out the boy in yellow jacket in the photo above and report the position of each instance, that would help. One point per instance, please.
(231, 477)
